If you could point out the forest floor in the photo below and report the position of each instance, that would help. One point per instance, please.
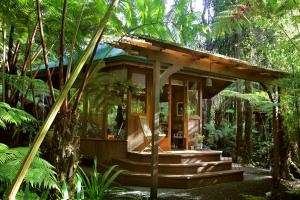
(256, 182)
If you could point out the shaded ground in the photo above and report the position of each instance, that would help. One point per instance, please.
(256, 182)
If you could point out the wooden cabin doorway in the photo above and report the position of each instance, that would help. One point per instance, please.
(181, 112)
(177, 114)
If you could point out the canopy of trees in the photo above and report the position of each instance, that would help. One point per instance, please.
(34, 33)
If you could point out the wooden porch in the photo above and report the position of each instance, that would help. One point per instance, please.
(176, 169)
(173, 82)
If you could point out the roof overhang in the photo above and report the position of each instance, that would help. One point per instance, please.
(201, 62)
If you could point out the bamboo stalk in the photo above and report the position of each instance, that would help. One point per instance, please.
(56, 106)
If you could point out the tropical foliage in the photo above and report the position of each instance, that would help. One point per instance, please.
(265, 33)
(9, 115)
(97, 185)
(40, 175)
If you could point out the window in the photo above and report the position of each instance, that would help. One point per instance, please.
(193, 98)
(138, 101)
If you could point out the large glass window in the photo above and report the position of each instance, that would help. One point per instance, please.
(138, 101)
(164, 110)
(106, 105)
(193, 98)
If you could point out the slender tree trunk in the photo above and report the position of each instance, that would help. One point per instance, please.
(65, 141)
(298, 126)
(280, 148)
(239, 122)
(248, 124)
(45, 57)
(10, 46)
(3, 57)
(55, 109)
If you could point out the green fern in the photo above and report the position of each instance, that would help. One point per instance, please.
(106, 90)
(9, 115)
(40, 174)
(24, 83)
(259, 100)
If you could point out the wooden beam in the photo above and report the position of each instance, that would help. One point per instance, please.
(164, 77)
(223, 67)
(155, 132)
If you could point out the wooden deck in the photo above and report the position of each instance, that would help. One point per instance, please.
(177, 169)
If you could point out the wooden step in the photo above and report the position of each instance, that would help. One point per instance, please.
(181, 181)
(173, 157)
(178, 168)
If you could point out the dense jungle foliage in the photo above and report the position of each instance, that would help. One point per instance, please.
(240, 120)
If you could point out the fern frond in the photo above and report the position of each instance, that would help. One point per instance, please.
(40, 174)
(9, 115)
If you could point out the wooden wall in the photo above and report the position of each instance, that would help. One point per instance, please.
(104, 150)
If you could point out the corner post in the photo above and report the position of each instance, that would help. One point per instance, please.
(155, 132)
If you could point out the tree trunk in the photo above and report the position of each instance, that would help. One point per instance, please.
(248, 124)
(239, 123)
(65, 146)
(73, 144)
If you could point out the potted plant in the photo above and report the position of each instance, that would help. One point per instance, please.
(199, 140)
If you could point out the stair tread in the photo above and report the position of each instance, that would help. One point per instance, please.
(187, 176)
(201, 163)
(179, 153)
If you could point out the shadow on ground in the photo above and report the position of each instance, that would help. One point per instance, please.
(256, 182)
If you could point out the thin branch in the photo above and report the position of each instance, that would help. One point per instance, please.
(289, 38)
(27, 53)
(62, 47)
(45, 57)
(15, 58)
(69, 68)
(61, 53)
(56, 107)
(10, 46)
(86, 76)
(3, 57)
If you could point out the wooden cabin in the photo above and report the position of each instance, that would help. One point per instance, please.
(172, 83)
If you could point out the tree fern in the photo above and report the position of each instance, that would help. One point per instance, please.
(9, 115)
(105, 90)
(24, 83)
(259, 100)
(40, 174)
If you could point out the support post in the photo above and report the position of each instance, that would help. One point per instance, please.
(155, 132)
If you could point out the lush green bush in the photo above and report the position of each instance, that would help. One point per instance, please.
(95, 185)
(41, 175)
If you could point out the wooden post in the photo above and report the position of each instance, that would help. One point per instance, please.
(155, 132)
(186, 116)
(200, 101)
(170, 113)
